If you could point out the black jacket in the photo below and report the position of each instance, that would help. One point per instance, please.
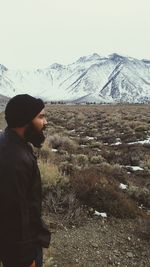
(21, 227)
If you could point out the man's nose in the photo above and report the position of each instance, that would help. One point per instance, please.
(45, 121)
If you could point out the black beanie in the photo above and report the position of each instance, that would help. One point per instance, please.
(22, 109)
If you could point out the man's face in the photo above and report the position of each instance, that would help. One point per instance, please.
(34, 131)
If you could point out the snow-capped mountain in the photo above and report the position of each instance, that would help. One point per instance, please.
(2, 69)
(93, 78)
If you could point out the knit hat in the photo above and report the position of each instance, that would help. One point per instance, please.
(21, 109)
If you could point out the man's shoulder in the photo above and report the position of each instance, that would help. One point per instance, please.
(11, 149)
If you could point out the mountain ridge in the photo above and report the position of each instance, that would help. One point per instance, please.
(110, 79)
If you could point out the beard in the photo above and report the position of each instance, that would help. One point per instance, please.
(34, 135)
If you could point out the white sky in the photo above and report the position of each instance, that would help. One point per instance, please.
(37, 33)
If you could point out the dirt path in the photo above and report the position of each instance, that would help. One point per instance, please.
(99, 242)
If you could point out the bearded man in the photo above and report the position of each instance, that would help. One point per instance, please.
(22, 231)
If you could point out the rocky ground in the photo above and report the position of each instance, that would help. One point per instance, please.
(98, 242)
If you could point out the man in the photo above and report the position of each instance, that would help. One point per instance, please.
(22, 232)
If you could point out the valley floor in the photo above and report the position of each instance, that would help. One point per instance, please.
(99, 243)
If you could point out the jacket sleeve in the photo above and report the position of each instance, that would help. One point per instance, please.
(29, 193)
(43, 234)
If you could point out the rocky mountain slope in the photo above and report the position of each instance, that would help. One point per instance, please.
(90, 79)
(3, 101)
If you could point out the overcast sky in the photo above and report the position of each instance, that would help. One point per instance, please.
(37, 33)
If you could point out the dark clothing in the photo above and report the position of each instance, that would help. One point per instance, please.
(11, 262)
(21, 227)
(39, 258)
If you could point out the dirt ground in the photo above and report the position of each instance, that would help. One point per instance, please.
(98, 242)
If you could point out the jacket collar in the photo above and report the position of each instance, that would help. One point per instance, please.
(11, 133)
(17, 139)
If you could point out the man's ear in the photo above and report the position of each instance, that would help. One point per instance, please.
(33, 264)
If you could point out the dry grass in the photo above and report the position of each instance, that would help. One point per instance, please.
(99, 192)
(50, 174)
